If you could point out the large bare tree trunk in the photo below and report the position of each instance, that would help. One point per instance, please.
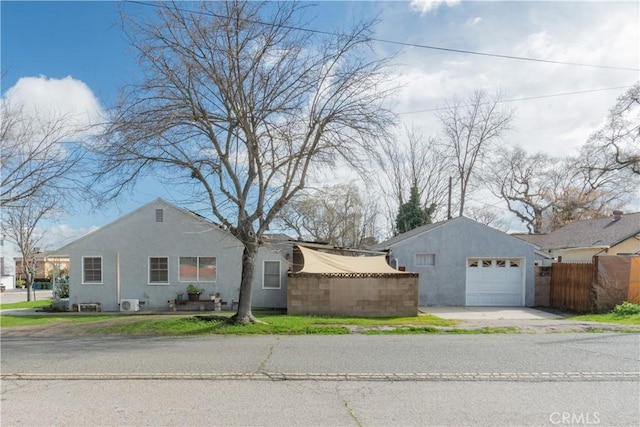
(244, 314)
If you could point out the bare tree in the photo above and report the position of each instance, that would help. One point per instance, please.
(488, 216)
(523, 182)
(617, 143)
(236, 99)
(420, 164)
(470, 131)
(583, 191)
(20, 225)
(546, 193)
(337, 215)
(34, 155)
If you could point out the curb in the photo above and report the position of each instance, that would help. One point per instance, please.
(333, 377)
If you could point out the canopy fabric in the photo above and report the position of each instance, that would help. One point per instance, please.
(324, 263)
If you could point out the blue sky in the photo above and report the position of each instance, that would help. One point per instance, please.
(73, 55)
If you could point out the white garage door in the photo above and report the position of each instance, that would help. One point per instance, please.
(495, 281)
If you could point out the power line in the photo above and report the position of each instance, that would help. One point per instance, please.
(398, 43)
(527, 98)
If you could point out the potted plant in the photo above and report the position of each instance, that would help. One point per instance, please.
(194, 292)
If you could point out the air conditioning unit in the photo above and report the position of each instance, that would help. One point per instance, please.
(129, 305)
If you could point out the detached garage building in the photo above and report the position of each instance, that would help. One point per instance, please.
(461, 262)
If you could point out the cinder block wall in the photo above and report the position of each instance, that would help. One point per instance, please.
(353, 295)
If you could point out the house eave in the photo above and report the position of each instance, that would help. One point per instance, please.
(579, 248)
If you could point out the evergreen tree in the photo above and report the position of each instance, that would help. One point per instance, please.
(411, 214)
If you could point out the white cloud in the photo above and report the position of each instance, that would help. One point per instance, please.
(474, 21)
(47, 100)
(59, 235)
(426, 6)
(558, 125)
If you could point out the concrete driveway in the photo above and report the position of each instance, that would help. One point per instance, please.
(489, 313)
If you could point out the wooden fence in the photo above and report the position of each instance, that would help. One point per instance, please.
(572, 286)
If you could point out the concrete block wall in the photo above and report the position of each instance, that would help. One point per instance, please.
(353, 295)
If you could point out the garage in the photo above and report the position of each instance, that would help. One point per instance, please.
(462, 262)
(495, 282)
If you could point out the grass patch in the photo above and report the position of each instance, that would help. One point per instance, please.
(275, 324)
(38, 319)
(26, 304)
(633, 319)
(177, 325)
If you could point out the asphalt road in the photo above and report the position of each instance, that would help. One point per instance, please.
(550, 379)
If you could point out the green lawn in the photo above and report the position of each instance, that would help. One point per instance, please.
(25, 304)
(123, 324)
(632, 319)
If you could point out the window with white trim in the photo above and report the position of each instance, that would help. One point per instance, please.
(271, 275)
(197, 269)
(158, 270)
(92, 270)
(425, 259)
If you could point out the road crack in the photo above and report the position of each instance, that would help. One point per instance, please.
(348, 407)
(266, 359)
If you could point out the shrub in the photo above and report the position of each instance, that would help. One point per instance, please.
(626, 309)
(193, 289)
(62, 290)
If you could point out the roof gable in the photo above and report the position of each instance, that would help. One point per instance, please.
(157, 203)
(601, 232)
(425, 229)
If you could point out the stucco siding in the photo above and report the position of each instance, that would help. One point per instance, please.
(127, 244)
(452, 243)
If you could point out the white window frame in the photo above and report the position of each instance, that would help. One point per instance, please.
(149, 282)
(264, 270)
(429, 259)
(215, 279)
(84, 282)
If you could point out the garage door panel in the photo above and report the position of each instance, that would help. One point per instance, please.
(495, 281)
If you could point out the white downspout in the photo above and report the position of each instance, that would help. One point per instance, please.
(118, 278)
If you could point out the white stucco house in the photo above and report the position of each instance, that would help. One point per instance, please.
(151, 254)
(461, 262)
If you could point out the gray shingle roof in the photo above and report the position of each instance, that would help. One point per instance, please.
(593, 233)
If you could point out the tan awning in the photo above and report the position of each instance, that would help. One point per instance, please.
(322, 262)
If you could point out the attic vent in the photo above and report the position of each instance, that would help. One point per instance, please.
(159, 215)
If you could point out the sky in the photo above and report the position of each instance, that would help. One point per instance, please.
(73, 57)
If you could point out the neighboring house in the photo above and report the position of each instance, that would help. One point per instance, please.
(154, 252)
(45, 266)
(580, 241)
(462, 262)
